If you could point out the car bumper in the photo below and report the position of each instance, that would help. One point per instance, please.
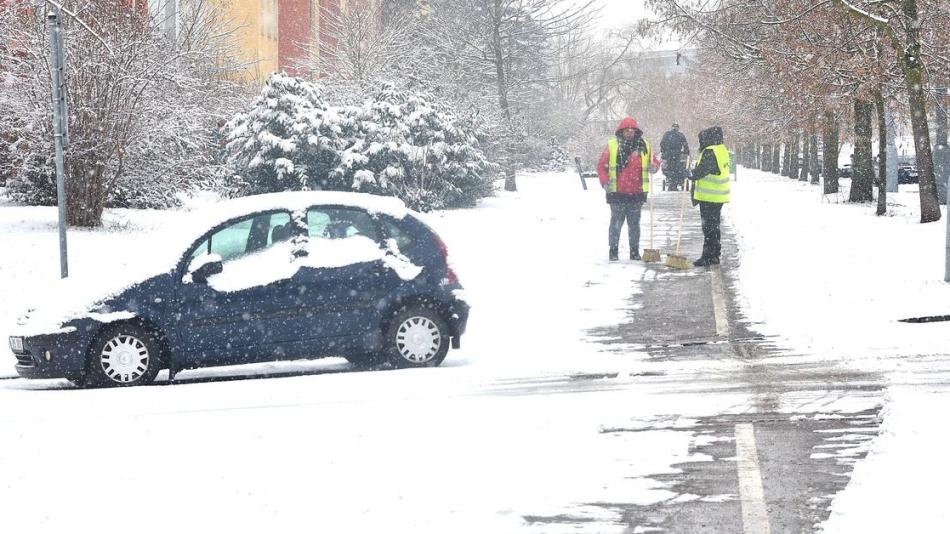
(457, 317)
(59, 355)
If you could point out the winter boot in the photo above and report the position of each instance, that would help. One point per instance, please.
(614, 254)
(701, 262)
(634, 255)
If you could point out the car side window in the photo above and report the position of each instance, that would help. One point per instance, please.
(246, 235)
(393, 231)
(340, 223)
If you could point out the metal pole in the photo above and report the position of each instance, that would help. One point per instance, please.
(59, 120)
(580, 172)
(946, 264)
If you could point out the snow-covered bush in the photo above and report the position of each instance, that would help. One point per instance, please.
(418, 151)
(288, 140)
(397, 142)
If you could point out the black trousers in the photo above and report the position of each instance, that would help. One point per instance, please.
(711, 213)
(629, 212)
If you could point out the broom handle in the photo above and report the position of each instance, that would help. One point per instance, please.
(650, 198)
(679, 231)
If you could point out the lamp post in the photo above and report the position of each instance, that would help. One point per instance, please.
(60, 120)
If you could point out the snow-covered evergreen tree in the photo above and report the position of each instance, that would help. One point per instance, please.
(288, 140)
(419, 151)
(398, 142)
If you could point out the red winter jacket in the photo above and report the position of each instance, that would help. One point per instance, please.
(629, 178)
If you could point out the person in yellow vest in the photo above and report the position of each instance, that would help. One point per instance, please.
(711, 190)
(624, 172)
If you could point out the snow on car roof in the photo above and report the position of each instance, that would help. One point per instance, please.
(219, 212)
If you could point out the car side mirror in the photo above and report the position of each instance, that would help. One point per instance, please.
(204, 267)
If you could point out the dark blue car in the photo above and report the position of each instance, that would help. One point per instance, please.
(275, 277)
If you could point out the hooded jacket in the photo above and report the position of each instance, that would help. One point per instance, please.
(707, 163)
(629, 165)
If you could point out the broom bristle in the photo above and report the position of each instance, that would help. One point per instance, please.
(651, 255)
(677, 262)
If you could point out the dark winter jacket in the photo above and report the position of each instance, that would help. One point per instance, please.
(707, 163)
(629, 169)
(673, 146)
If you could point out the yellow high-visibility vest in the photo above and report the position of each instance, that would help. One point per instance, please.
(714, 187)
(645, 159)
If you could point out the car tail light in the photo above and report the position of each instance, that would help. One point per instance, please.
(450, 275)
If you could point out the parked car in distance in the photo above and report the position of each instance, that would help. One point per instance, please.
(844, 171)
(907, 174)
(269, 277)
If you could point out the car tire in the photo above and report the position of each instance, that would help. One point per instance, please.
(417, 336)
(123, 355)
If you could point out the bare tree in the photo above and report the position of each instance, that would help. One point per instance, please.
(126, 75)
(505, 50)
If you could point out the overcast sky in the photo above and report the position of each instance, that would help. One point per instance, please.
(619, 12)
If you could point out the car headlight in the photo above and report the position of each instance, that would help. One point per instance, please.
(16, 344)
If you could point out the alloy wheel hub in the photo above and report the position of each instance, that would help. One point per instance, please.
(124, 359)
(418, 339)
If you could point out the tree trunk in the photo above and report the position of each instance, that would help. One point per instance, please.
(806, 156)
(914, 78)
(814, 158)
(502, 87)
(829, 144)
(766, 158)
(84, 195)
(862, 169)
(881, 154)
(794, 149)
(776, 157)
(786, 161)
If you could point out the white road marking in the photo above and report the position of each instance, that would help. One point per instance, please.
(755, 517)
(719, 303)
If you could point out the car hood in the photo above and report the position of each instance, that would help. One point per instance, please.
(64, 301)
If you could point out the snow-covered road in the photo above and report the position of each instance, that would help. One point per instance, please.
(587, 397)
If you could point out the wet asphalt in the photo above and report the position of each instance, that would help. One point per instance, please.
(806, 439)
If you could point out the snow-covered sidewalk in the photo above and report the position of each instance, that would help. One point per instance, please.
(830, 280)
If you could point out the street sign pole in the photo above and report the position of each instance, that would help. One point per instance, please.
(60, 119)
(946, 263)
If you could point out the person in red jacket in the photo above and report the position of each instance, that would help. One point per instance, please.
(624, 171)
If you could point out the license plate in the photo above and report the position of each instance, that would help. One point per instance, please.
(16, 343)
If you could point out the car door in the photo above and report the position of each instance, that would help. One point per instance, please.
(344, 277)
(249, 310)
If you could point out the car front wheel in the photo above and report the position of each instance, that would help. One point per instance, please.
(123, 355)
(417, 337)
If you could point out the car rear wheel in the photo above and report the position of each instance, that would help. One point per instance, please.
(123, 355)
(417, 337)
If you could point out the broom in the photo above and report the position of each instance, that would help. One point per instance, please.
(651, 255)
(675, 260)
